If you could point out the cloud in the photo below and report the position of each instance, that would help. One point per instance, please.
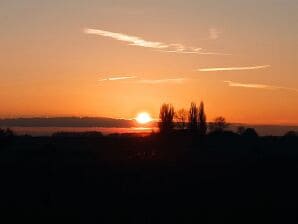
(160, 46)
(233, 68)
(213, 34)
(144, 81)
(133, 40)
(249, 85)
(259, 86)
(162, 81)
(117, 78)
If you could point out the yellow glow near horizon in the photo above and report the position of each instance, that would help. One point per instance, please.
(143, 118)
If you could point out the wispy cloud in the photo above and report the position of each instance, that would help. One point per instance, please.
(213, 34)
(133, 40)
(259, 86)
(140, 42)
(117, 78)
(162, 81)
(233, 68)
(250, 85)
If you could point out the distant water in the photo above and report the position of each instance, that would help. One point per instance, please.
(262, 130)
(267, 130)
(48, 131)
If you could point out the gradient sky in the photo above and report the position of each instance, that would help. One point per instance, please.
(117, 58)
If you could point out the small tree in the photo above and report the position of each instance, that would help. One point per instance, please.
(2, 132)
(241, 130)
(291, 134)
(166, 116)
(250, 133)
(193, 117)
(6, 132)
(9, 132)
(219, 124)
(181, 118)
(202, 124)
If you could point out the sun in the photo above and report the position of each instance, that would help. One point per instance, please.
(143, 118)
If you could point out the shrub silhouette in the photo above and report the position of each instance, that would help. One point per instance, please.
(241, 130)
(291, 134)
(202, 124)
(7, 133)
(6, 136)
(87, 134)
(250, 133)
(166, 116)
(193, 117)
(2, 132)
(218, 125)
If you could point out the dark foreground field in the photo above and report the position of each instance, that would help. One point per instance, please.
(154, 179)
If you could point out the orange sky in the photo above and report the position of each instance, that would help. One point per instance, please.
(115, 59)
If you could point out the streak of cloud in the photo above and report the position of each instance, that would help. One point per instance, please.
(259, 86)
(160, 46)
(162, 81)
(133, 40)
(117, 78)
(233, 68)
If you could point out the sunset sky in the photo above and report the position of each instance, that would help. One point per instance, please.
(118, 58)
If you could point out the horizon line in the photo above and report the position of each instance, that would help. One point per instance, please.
(131, 119)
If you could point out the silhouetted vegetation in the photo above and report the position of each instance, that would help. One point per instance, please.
(218, 125)
(193, 117)
(291, 134)
(158, 178)
(240, 130)
(89, 134)
(202, 123)
(6, 133)
(135, 179)
(166, 116)
(6, 136)
(250, 133)
(181, 117)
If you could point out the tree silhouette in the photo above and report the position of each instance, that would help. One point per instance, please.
(193, 117)
(250, 133)
(219, 124)
(202, 124)
(241, 130)
(181, 118)
(166, 116)
(291, 134)
(6, 133)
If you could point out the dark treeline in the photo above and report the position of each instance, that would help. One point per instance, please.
(193, 121)
(190, 172)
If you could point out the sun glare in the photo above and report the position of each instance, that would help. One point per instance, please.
(143, 118)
